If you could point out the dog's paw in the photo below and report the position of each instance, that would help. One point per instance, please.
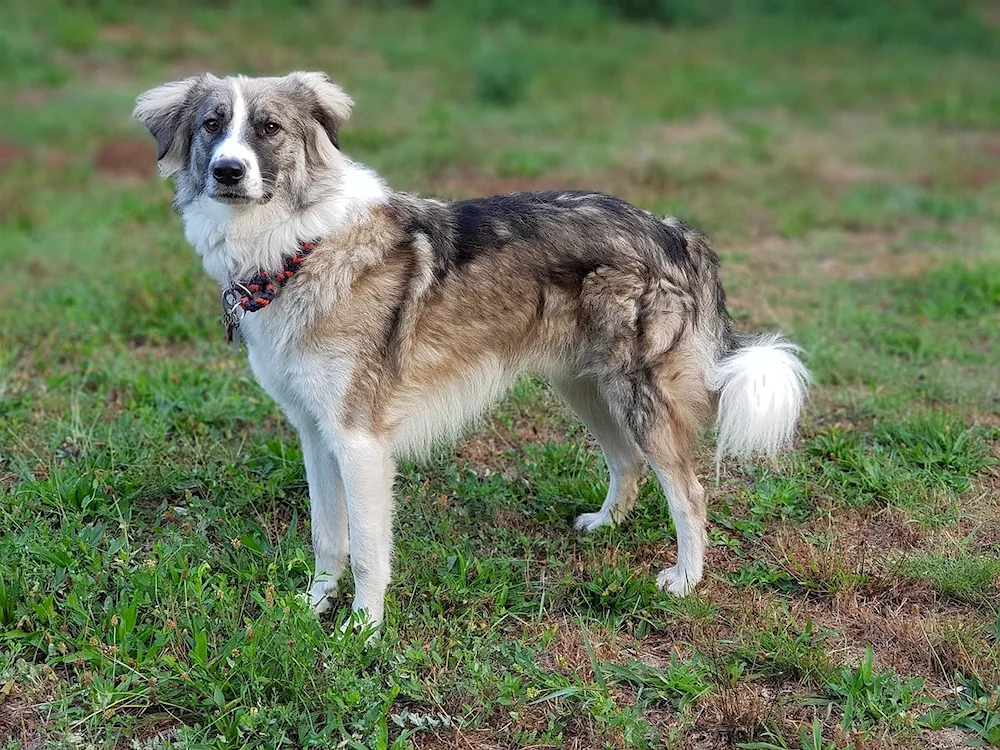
(592, 521)
(319, 606)
(319, 596)
(676, 581)
(358, 623)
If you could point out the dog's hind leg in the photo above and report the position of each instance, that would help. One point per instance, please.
(665, 405)
(623, 457)
(668, 446)
(686, 499)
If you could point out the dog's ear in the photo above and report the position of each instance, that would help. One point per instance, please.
(162, 110)
(331, 106)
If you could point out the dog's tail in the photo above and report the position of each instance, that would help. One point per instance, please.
(761, 386)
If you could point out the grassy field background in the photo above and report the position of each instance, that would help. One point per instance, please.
(845, 159)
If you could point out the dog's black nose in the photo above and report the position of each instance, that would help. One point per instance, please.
(228, 171)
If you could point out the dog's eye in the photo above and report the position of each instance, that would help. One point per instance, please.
(212, 125)
(269, 128)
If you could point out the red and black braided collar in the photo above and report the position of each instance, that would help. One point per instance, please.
(259, 291)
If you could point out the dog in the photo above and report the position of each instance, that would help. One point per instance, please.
(382, 322)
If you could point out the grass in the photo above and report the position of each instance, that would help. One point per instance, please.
(969, 576)
(153, 509)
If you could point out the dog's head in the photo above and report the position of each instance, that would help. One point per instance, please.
(241, 140)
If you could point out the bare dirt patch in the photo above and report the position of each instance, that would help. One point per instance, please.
(126, 160)
(489, 449)
(705, 127)
(33, 96)
(122, 33)
(986, 141)
(18, 719)
(737, 713)
(637, 185)
(153, 732)
(461, 740)
(11, 153)
(814, 260)
(503, 727)
(175, 42)
(827, 154)
(855, 256)
(465, 185)
(879, 266)
(976, 177)
(969, 158)
(852, 591)
(947, 739)
(567, 651)
(840, 173)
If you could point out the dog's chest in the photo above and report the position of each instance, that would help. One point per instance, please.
(303, 380)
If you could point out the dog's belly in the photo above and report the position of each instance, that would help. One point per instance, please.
(425, 413)
(417, 414)
(337, 386)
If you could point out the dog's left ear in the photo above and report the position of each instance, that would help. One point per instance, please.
(331, 106)
(162, 111)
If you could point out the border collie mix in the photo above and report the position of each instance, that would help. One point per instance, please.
(381, 322)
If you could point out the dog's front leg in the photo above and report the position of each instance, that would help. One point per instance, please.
(368, 470)
(328, 508)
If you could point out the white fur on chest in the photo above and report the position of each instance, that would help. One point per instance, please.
(306, 384)
(236, 242)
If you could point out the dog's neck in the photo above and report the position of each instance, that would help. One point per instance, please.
(235, 242)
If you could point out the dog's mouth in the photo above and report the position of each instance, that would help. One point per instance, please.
(233, 198)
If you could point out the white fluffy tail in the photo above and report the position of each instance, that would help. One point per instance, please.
(762, 387)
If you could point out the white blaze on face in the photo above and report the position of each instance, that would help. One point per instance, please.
(234, 147)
